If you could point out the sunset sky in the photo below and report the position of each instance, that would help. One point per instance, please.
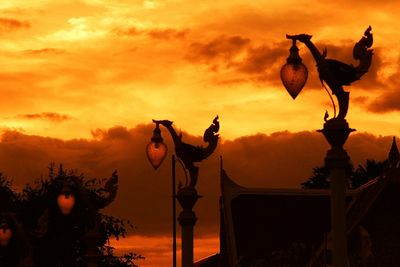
(80, 82)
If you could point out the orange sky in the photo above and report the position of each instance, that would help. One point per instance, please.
(100, 63)
(72, 70)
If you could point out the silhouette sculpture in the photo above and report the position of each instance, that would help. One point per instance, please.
(337, 74)
(187, 196)
(189, 154)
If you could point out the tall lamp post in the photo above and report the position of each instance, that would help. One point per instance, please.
(336, 130)
(68, 232)
(187, 195)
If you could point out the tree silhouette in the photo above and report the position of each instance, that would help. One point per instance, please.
(56, 239)
(8, 199)
(364, 173)
(319, 179)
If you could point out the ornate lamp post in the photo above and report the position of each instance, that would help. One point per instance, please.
(13, 247)
(69, 233)
(66, 200)
(5, 234)
(187, 195)
(336, 130)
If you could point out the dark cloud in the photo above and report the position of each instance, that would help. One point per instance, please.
(167, 34)
(115, 133)
(389, 100)
(278, 160)
(132, 31)
(51, 116)
(44, 51)
(262, 63)
(8, 24)
(260, 58)
(221, 50)
(386, 102)
(360, 100)
(163, 34)
(239, 55)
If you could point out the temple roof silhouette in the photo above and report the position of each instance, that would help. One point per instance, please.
(268, 227)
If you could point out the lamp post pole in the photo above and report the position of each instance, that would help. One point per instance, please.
(336, 130)
(187, 194)
(173, 212)
(187, 198)
(337, 161)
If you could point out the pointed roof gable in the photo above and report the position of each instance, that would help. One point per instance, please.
(394, 156)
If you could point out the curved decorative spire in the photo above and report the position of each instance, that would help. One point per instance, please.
(394, 155)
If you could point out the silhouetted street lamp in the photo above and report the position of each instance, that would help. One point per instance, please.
(187, 195)
(156, 150)
(5, 234)
(66, 200)
(336, 130)
(13, 247)
(68, 233)
(294, 73)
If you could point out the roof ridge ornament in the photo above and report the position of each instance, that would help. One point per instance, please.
(394, 155)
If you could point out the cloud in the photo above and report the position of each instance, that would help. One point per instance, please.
(386, 102)
(167, 34)
(221, 49)
(240, 57)
(44, 51)
(282, 159)
(132, 31)
(155, 33)
(115, 133)
(260, 58)
(8, 24)
(262, 62)
(224, 52)
(389, 99)
(51, 116)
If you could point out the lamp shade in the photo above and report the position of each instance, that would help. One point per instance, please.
(66, 203)
(294, 77)
(5, 235)
(294, 73)
(156, 153)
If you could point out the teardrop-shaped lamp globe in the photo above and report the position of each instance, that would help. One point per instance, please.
(156, 153)
(66, 203)
(5, 236)
(294, 77)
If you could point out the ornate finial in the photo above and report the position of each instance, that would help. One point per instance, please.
(394, 155)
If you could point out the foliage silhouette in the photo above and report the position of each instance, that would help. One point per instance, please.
(357, 177)
(62, 239)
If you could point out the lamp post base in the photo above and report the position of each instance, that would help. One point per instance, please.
(336, 132)
(187, 197)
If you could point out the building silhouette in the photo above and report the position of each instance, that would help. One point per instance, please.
(291, 227)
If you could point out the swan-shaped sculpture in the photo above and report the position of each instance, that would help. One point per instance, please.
(337, 74)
